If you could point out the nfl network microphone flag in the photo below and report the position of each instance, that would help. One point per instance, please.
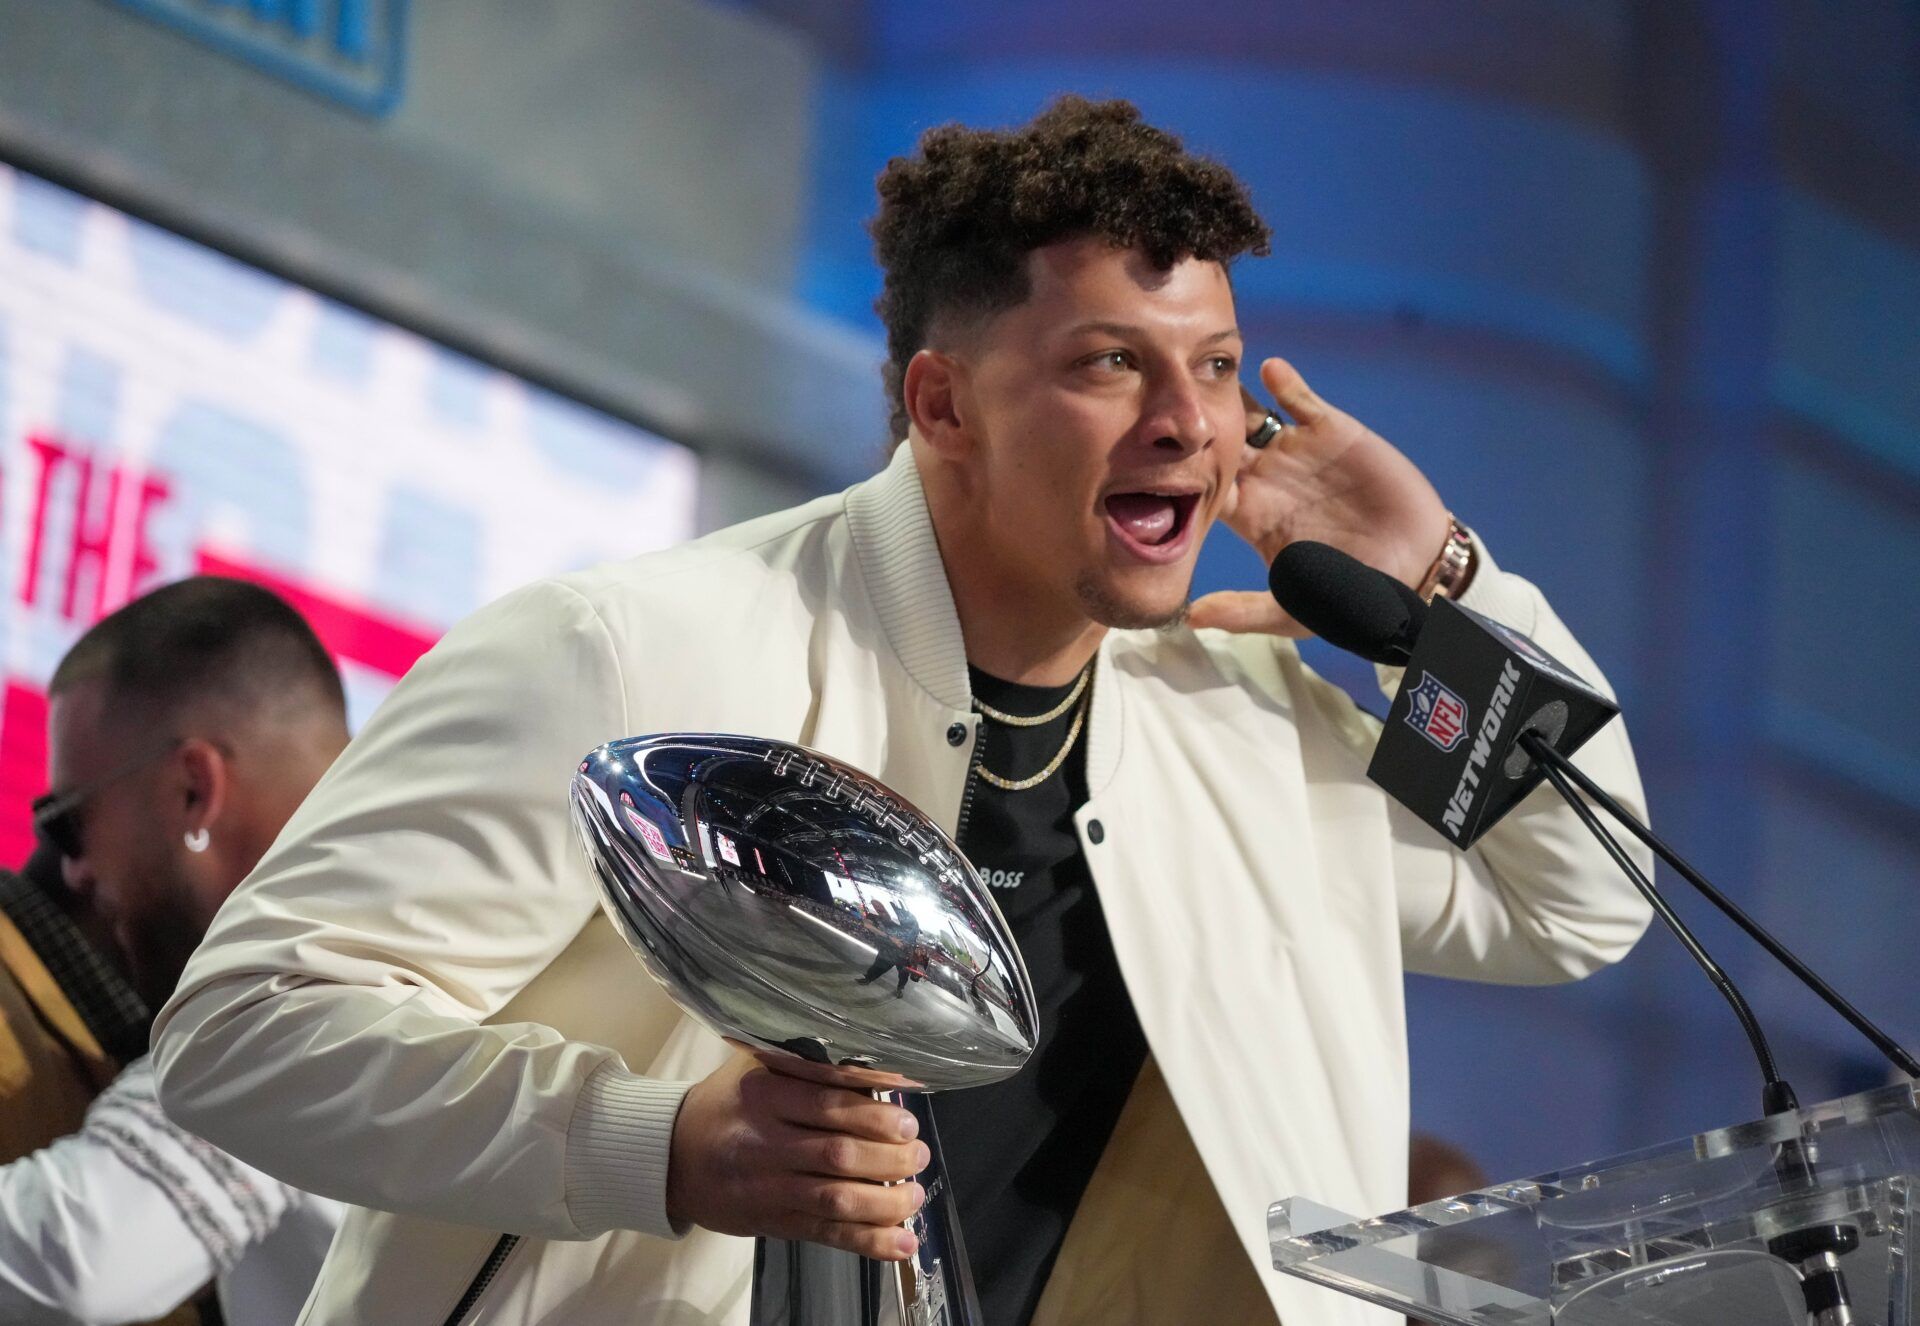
(1450, 752)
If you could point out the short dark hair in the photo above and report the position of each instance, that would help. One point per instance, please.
(958, 219)
(208, 639)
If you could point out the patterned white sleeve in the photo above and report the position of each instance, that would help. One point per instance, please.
(125, 1219)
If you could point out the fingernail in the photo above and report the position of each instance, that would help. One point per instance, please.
(909, 1127)
(919, 1196)
(925, 1158)
(906, 1242)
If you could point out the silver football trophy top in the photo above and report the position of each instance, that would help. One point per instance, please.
(793, 904)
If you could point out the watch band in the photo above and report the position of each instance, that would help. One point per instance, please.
(1453, 568)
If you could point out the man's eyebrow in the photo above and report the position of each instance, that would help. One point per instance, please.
(1127, 330)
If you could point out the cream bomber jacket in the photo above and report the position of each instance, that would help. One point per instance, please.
(413, 1004)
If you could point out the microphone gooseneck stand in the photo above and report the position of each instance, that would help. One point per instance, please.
(1776, 1097)
(1896, 1053)
(1814, 1251)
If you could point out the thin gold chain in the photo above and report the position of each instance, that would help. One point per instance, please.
(1035, 720)
(1060, 758)
(1078, 693)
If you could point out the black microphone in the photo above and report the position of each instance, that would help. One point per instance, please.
(1451, 749)
(1425, 760)
(1342, 599)
(1346, 602)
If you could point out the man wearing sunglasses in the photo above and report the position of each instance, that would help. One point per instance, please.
(184, 730)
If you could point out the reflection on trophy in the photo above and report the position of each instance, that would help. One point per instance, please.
(793, 904)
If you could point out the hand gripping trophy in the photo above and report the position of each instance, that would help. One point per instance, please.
(796, 906)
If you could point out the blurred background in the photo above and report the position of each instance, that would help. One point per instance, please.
(395, 305)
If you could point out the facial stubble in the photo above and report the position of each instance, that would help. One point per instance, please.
(1106, 609)
(161, 933)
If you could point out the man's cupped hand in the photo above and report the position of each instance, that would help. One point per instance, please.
(1328, 477)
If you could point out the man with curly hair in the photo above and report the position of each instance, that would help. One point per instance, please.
(413, 1004)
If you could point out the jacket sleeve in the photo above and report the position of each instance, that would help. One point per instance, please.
(1537, 900)
(126, 1218)
(328, 1029)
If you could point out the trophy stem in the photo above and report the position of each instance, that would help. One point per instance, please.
(805, 1284)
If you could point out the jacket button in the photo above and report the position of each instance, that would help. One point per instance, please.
(957, 735)
(1096, 831)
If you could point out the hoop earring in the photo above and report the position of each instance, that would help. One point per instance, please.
(197, 839)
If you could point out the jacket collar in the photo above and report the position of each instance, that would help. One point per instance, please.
(900, 560)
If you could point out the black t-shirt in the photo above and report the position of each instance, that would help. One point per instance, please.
(1020, 1153)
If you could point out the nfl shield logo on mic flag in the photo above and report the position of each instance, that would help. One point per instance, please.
(1436, 713)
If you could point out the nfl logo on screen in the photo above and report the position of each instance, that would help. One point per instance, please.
(1436, 713)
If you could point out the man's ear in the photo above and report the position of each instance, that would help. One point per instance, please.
(204, 782)
(931, 391)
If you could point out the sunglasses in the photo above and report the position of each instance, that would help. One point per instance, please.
(57, 816)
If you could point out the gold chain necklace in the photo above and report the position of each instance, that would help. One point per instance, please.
(1022, 720)
(1035, 720)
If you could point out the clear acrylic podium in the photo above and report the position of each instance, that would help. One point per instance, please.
(1725, 1229)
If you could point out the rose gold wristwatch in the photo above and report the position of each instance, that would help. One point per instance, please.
(1452, 570)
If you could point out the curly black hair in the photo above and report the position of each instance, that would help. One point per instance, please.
(958, 219)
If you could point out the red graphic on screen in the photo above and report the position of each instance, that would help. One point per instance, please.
(111, 554)
(23, 767)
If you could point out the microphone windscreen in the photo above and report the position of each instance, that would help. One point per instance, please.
(1346, 602)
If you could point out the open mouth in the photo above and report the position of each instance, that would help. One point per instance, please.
(1152, 525)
